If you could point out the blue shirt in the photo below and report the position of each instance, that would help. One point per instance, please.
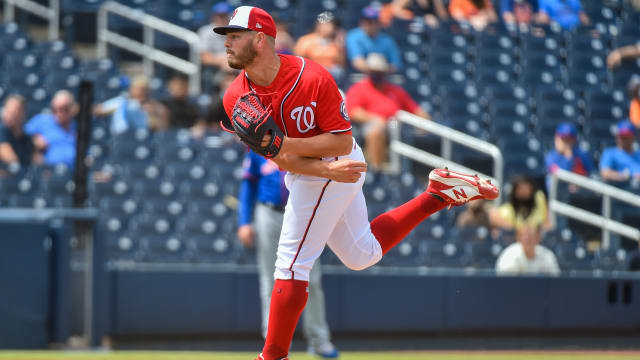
(580, 163)
(262, 181)
(127, 114)
(61, 142)
(564, 12)
(359, 44)
(616, 159)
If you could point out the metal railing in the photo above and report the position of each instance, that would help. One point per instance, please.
(51, 13)
(399, 148)
(147, 50)
(603, 221)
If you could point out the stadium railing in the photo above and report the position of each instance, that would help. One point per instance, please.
(448, 135)
(50, 13)
(147, 49)
(603, 221)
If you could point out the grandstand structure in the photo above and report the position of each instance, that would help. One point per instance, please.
(170, 198)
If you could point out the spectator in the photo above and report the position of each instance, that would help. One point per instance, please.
(566, 154)
(264, 193)
(431, 11)
(475, 214)
(212, 50)
(135, 110)
(367, 39)
(521, 12)
(569, 14)
(634, 108)
(325, 45)
(622, 162)
(527, 256)
(616, 56)
(284, 40)
(16, 147)
(216, 112)
(478, 13)
(55, 133)
(372, 102)
(182, 112)
(527, 205)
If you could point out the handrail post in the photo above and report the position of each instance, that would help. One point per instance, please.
(606, 212)
(102, 32)
(148, 38)
(54, 22)
(9, 11)
(196, 78)
(553, 196)
(445, 148)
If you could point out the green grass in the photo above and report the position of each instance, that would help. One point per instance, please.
(402, 355)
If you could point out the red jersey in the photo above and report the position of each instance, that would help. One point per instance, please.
(384, 102)
(304, 97)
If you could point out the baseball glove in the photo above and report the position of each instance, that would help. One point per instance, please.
(251, 121)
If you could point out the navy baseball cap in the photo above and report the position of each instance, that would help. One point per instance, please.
(370, 12)
(221, 8)
(625, 128)
(566, 129)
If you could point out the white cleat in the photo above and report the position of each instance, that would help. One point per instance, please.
(457, 188)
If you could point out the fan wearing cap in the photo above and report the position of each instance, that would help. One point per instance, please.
(622, 162)
(367, 38)
(326, 205)
(566, 154)
(372, 101)
(211, 47)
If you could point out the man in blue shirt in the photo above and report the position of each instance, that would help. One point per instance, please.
(263, 190)
(622, 162)
(566, 155)
(368, 38)
(55, 133)
(569, 14)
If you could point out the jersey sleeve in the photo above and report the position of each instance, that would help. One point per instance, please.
(407, 102)
(331, 109)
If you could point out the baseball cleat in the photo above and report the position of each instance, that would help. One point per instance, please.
(457, 188)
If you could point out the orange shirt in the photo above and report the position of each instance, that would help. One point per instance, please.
(466, 8)
(325, 53)
(634, 113)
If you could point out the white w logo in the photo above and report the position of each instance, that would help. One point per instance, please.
(305, 118)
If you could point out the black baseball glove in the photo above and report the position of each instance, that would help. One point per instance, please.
(251, 121)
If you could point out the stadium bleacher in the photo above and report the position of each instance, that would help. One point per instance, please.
(167, 198)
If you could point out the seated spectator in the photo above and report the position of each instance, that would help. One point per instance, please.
(634, 107)
(367, 39)
(182, 112)
(475, 214)
(55, 133)
(622, 162)
(526, 255)
(431, 11)
(325, 45)
(284, 40)
(135, 110)
(569, 14)
(521, 12)
(478, 13)
(216, 112)
(566, 154)
(211, 47)
(527, 205)
(620, 54)
(372, 102)
(16, 147)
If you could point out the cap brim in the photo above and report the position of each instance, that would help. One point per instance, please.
(223, 30)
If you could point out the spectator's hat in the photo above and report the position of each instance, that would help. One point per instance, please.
(370, 12)
(249, 18)
(221, 8)
(377, 63)
(625, 129)
(566, 130)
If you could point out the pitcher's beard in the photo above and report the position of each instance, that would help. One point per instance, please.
(243, 58)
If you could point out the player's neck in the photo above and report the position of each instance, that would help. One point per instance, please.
(264, 71)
